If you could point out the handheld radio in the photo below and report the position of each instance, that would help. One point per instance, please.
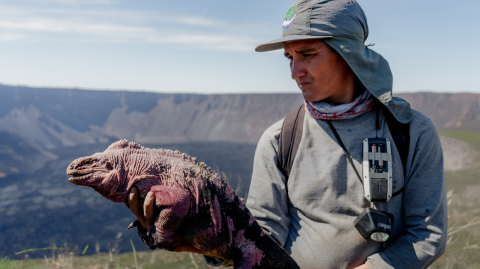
(374, 225)
(377, 169)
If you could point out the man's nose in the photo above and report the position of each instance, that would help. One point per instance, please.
(298, 69)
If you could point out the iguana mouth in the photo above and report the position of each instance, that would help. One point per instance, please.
(78, 175)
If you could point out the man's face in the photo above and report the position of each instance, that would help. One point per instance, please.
(320, 72)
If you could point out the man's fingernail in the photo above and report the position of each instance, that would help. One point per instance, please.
(150, 195)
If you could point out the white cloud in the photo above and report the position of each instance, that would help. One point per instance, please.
(212, 41)
(118, 26)
(79, 2)
(139, 17)
(10, 37)
(59, 26)
(199, 21)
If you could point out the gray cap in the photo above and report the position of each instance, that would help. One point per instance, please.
(342, 24)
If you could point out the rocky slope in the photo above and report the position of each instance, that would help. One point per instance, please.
(67, 117)
(459, 111)
(42, 130)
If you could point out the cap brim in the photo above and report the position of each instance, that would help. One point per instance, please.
(279, 43)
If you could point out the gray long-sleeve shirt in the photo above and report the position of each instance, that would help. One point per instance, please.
(314, 219)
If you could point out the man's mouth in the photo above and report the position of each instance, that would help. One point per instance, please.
(303, 84)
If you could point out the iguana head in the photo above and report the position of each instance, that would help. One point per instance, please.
(107, 172)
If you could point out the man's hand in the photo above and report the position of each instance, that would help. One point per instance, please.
(363, 266)
(146, 216)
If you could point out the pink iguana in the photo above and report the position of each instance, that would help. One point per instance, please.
(194, 203)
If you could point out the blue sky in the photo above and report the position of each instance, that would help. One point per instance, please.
(208, 46)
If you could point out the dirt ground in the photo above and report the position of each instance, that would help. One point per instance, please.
(457, 154)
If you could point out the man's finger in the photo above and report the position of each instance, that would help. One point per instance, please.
(148, 209)
(134, 206)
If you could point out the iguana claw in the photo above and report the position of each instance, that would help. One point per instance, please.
(151, 230)
(133, 224)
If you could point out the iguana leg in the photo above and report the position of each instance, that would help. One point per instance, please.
(143, 234)
(174, 203)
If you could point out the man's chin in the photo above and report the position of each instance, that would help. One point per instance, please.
(311, 97)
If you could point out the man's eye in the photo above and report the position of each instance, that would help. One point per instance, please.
(307, 55)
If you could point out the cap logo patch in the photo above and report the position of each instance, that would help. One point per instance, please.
(289, 17)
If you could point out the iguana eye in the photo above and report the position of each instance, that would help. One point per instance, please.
(87, 161)
(109, 166)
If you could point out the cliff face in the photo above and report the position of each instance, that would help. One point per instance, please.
(49, 118)
(459, 111)
(182, 118)
(42, 130)
(41, 120)
(66, 117)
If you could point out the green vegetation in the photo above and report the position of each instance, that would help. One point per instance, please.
(463, 245)
(6, 263)
(463, 242)
(157, 259)
(472, 138)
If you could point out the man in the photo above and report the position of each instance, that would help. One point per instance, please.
(312, 213)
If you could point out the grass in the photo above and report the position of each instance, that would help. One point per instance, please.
(463, 246)
(6, 263)
(61, 258)
(470, 137)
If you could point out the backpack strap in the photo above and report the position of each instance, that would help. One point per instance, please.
(290, 137)
(401, 135)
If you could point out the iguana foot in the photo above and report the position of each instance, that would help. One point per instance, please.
(143, 234)
(170, 245)
(164, 239)
(133, 224)
(147, 240)
(152, 230)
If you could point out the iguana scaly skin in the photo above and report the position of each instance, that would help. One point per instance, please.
(194, 203)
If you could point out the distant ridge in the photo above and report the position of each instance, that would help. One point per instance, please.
(448, 111)
(43, 130)
(69, 117)
(49, 118)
